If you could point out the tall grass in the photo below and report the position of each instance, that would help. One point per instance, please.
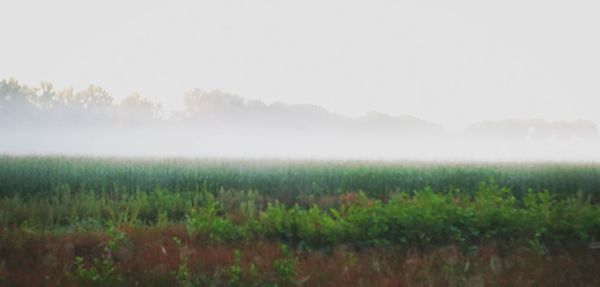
(286, 180)
(154, 222)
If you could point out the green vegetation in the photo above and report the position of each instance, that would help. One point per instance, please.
(287, 181)
(289, 212)
(422, 218)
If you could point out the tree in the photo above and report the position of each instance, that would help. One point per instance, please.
(13, 94)
(199, 102)
(15, 101)
(92, 105)
(138, 110)
(43, 97)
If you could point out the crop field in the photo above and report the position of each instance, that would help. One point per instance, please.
(84, 221)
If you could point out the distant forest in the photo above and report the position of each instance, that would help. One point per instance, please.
(43, 106)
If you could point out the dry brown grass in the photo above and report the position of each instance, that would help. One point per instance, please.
(149, 257)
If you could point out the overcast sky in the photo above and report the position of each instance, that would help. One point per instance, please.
(451, 62)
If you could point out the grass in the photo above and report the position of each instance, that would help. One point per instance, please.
(123, 222)
(286, 180)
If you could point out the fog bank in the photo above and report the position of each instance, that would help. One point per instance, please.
(40, 120)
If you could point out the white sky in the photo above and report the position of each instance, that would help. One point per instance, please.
(451, 62)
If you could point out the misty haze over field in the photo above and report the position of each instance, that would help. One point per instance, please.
(42, 120)
(426, 80)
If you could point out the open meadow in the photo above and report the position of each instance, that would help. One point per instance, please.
(84, 221)
(267, 143)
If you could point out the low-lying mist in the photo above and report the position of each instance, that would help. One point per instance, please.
(40, 120)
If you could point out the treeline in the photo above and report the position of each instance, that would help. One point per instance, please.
(23, 103)
(43, 104)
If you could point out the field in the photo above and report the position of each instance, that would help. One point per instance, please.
(75, 221)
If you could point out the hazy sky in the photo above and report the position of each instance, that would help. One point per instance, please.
(452, 62)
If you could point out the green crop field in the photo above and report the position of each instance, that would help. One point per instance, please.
(74, 221)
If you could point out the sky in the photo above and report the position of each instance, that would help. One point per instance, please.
(450, 62)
